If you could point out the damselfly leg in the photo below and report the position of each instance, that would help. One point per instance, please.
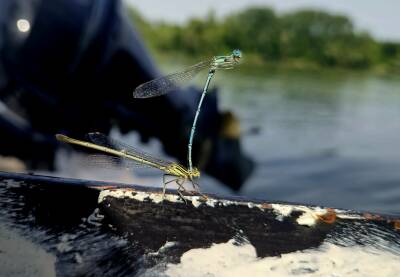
(179, 181)
(181, 188)
(196, 188)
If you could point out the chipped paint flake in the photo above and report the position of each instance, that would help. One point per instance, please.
(196, 202)
(138, 195)
(117, 193)
(329, 217)
(163, 248)
(284, 210)
(307, 218)
(310, 216)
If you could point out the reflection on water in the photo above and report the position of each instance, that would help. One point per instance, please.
(320, 138)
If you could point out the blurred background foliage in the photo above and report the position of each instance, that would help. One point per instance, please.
(300, 39)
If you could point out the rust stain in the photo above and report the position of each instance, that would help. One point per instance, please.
(112, 188)
(397, 225)
(329, 217)
(369, 216)
(104, 187)
(266, 206)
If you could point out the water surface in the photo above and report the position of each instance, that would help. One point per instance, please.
(323, 138)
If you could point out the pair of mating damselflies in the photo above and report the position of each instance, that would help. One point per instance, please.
(118, 151)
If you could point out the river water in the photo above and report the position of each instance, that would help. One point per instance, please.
(323, 138)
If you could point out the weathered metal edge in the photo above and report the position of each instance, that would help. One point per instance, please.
(104, 185)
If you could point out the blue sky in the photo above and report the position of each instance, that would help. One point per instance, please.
(380, 18)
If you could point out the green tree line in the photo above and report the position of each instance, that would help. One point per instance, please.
(300, 37)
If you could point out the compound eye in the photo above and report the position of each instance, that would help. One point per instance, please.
(237, 53)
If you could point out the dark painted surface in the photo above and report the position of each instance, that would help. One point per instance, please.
(152, 225)
(122, 236)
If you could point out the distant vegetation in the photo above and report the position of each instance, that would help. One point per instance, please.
(299, 39)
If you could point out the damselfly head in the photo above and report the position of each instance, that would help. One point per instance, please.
(236, 54)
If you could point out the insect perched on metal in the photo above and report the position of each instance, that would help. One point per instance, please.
(165, 84)
(118, 152)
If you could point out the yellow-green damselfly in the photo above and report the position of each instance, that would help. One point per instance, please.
(117, 150)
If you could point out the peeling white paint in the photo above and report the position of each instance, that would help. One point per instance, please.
(138, 195)
(309, 217)
(167, 245)
(211, 202)
(227, 259)
(196, 201)
(118, 193)
(163, 248)
(343, 214)
(284, 210)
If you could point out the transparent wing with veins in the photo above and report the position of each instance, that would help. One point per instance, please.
(103, 140)
(165, 84)
(111, 162)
